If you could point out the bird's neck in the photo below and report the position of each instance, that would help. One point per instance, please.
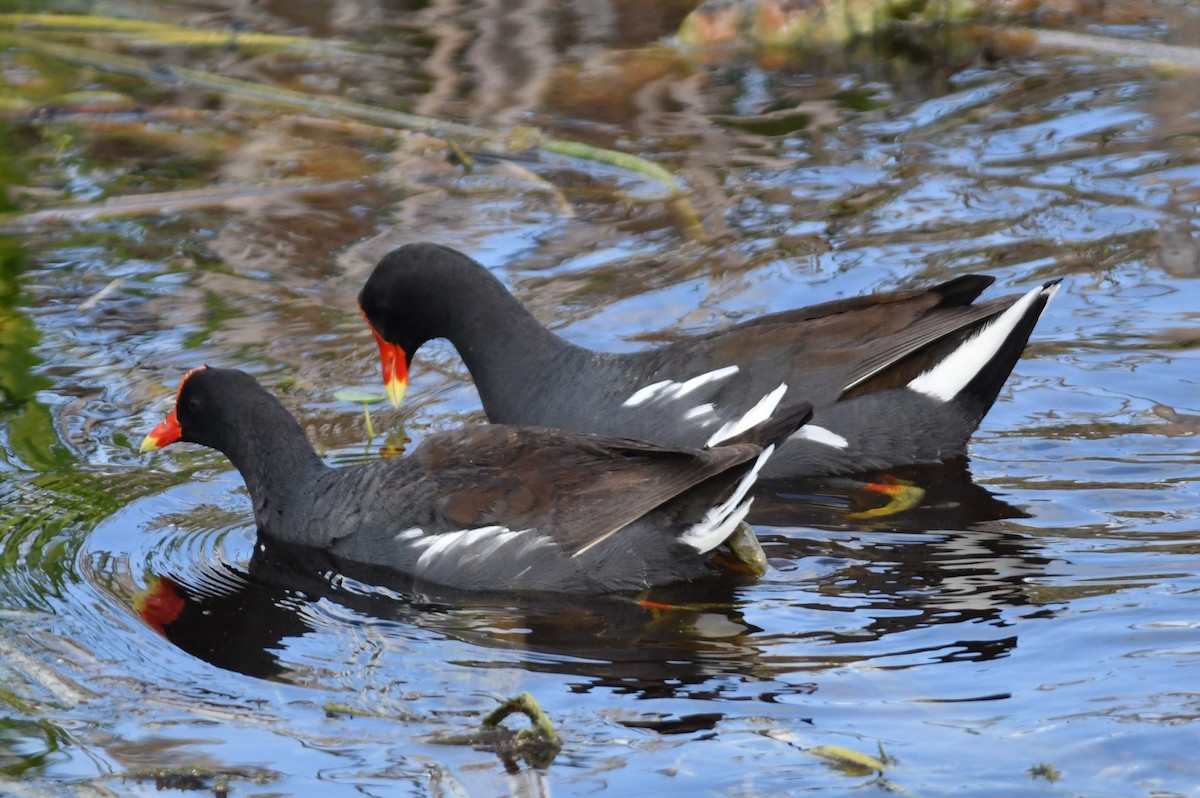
(501, 343)
(280, 469)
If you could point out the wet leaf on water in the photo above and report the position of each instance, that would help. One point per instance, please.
(160, 33)
(11, 104)
(95, 98)
(80, 22)
(334, 709)
(350, 395)
(1044, 770)
(775, 124)
(362, 397)
(199, 778)
(683, 724)
(854, 762)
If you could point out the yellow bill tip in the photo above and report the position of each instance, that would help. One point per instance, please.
(395, 391)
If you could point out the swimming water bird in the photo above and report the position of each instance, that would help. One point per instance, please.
(896, 378)
(488, 507)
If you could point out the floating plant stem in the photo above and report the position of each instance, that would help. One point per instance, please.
(537, 745)
(503, 141)
(367, 399)
(528, 706)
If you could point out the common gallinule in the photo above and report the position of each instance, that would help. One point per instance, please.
(488, 507)
(896, 378)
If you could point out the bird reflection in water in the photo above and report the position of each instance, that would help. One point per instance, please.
(676, 640)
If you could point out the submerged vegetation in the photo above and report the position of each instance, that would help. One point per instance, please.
(111, 45)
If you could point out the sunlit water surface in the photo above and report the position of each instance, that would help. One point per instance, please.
(1046, 614)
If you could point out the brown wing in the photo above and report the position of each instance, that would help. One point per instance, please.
(863, 344)
(579, 489)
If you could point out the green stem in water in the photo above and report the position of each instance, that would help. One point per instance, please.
(336, 107)
(367, 418)
(528, 706)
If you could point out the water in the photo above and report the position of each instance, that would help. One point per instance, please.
(1040, 614)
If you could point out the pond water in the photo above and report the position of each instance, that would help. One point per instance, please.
(1031, 629)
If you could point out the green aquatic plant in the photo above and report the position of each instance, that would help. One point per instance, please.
(46, 34)
(366, 399)
(538, 745)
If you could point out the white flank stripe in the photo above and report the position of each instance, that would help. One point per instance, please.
(695, 382)
(670, 390)
(524, 539)
(645, 393)
(755, 416)
(490, 546)
(409, 534)
(700, 410)
(438, 545)
(951, 375)
(720, 521)
(811, 432)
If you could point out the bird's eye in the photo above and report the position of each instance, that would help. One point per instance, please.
(194, 404)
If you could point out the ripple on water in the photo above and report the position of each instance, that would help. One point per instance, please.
(1055, 627)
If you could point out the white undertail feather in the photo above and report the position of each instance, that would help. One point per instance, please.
(720, 521)
(671, 390)
(752, 418)
(945, 380)
(720, 533)
(816, 434)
